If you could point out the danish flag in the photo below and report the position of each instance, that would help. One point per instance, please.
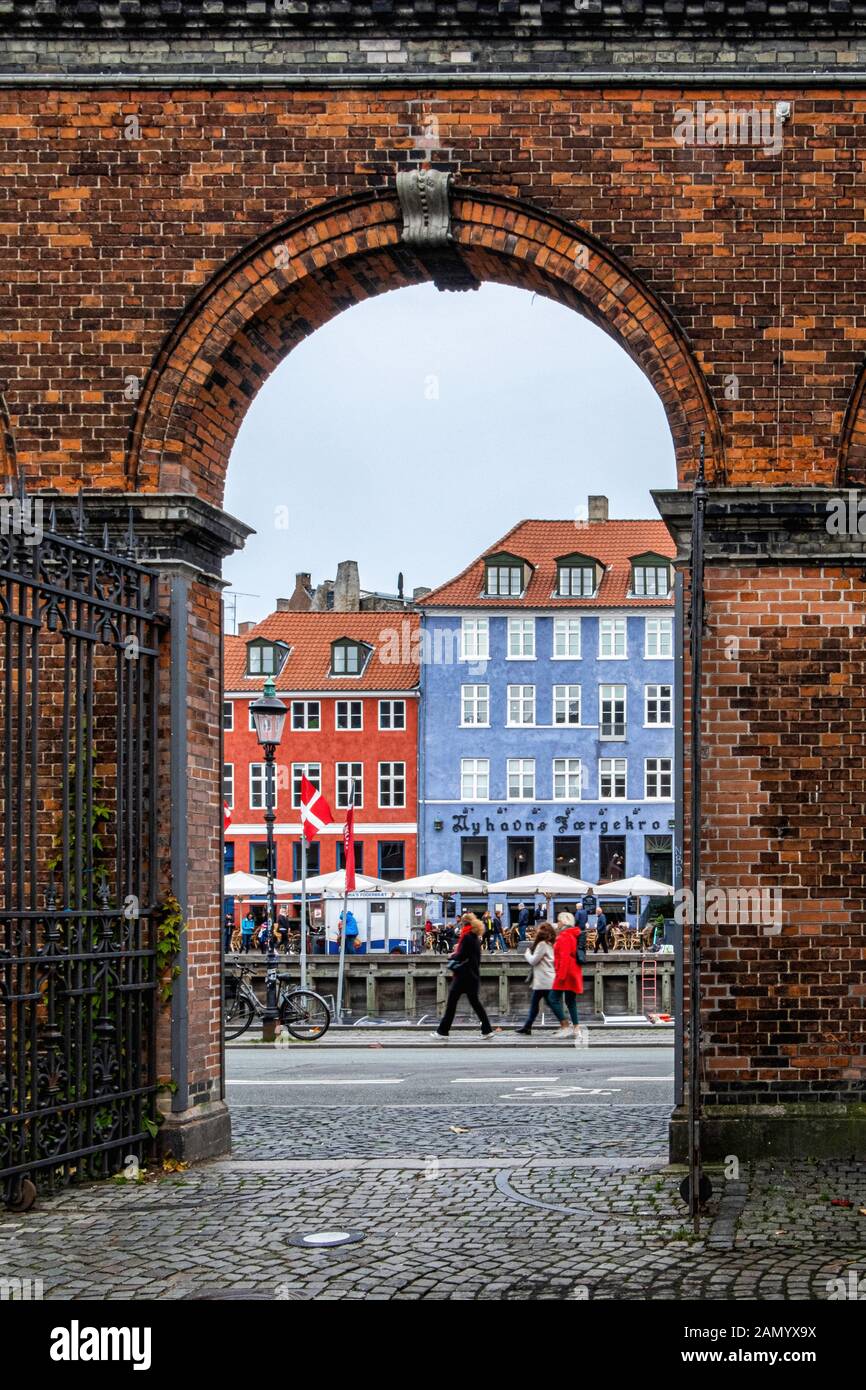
(227, 815)
(315, 811)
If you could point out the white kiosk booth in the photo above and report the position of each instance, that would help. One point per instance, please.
(385, 920)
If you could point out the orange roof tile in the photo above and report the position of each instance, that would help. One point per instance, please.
(541, 543)
(393, 665)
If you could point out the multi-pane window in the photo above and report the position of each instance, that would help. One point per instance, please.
(658, 779)
(306, 714)
(521, 638)
(504, 581)
(659, 637)
(258, 786)
(392, 714)
(475, 639)
(312, 771)
(392, 859)
(566, 637)
(576, 581)
(521, 704)
(521, 779)
(347, 658)
(652, 581)
(611, 637)
(611, 711)
(659, 705)
(262, 659)
(566, 779)
(349, 714)
(566, 704)
(475, 779)
(229, 784)
(392, 784)
(612, 779)
(475, 704)
(228, 715)
(347, 773)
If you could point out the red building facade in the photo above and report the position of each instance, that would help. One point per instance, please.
(350, 681)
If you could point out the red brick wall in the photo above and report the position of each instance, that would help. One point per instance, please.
(121, 234)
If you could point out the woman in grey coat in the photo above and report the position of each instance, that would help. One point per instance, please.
(540, 957)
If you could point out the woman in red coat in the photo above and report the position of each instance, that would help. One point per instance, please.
(568, 974)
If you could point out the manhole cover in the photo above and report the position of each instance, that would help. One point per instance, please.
(325, 1240)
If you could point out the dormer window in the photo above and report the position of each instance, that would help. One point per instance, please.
(348, 658)
(576, 576)
(505, 576)
(265, 658)
(650, 576)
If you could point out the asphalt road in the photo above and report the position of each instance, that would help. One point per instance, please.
(383, 1078)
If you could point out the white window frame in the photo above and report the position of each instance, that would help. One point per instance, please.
(618, 628)
(562, 696)
(470, 698)
(509, 568)
(478, 649)
(613, 773)
(392, 777)
(346, 778)
(661, 624)
(259, 768)
(613, 699)
(567, 627)
(521, 639)
(652, 767)
(313, 771)
(583, 571)
(305, 706)
(392, 728)
(524, 697)
(229, 776)
(567, 768)
(653, 591)
(228, 707)
(349, 728)
(521, 769)
(477, 770)
(658, 698)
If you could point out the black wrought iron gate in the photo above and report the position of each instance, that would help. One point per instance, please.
(79, 636)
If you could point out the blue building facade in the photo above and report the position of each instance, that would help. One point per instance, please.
(547, 734)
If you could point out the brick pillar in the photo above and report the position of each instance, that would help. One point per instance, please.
(185, 541)
(784, 786)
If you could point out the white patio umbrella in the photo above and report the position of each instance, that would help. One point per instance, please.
(242, 885)
(336, 883)
(635, 887)
(547, 885)
(443, 884)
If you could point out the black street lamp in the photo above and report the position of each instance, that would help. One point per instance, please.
(269, 716)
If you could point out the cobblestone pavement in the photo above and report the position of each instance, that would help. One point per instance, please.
(593, 1213)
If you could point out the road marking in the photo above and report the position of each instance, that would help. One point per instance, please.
(323, 1081)
(497, 1080)
(640, 1078)
(530, 1093)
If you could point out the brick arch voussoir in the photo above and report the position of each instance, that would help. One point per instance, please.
(851, 465)
(246, 319)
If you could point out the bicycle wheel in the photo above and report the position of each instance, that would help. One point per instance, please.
(237, 1016)
(305, 1015)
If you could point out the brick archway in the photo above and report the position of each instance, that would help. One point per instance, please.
(852, 448)
(288, 283)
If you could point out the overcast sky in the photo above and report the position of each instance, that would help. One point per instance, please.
(413, 430)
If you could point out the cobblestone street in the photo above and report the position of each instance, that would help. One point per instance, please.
(472, 1200)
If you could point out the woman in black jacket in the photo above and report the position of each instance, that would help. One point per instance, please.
(467, 978)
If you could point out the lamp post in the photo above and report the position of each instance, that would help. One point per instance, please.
(269, 716)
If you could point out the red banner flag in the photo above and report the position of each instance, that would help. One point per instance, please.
(349, 847)
(227, 815)
(315, 811)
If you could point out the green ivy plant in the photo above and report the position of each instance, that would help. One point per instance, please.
(170, 926)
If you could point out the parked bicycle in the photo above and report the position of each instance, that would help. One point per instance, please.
(302, 1012)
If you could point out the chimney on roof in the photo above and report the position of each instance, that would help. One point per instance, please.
(419, 591)
(301, 596)
(244, 628)
(597, 508)
(347, 587)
